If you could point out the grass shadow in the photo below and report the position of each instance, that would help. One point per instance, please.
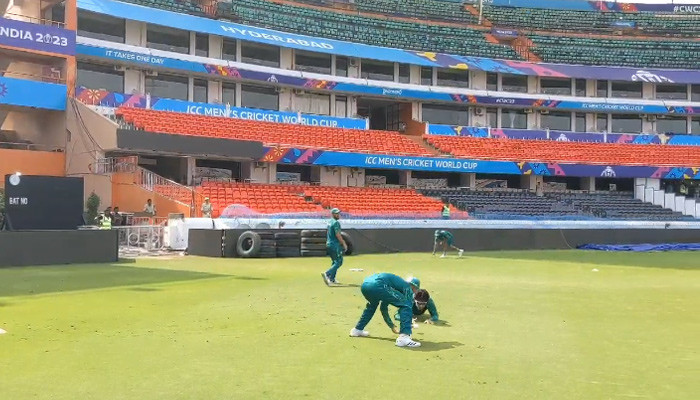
(347, 285)
(681, 260)
(27, 281)
(437, 346)
(247, 278)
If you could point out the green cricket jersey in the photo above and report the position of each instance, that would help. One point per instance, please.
(333, 229)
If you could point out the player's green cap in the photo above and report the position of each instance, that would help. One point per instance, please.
(413, 281)
(335, 211)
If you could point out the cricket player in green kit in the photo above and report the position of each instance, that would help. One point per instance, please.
(383, 289)
(335, 247)
(420, 307)
(445, 239)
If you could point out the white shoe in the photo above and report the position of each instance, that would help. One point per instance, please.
(358, 333)
(460, 253)
(406, 341)
(326, 280)
(443, 256)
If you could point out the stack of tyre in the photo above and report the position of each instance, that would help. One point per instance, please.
(313, 243)
(268, 244)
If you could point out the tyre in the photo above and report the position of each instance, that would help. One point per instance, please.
(348, 242)
(286, 235)
(313, 246)
(248, 244)
(288, 243)
(268, 235)
(309, 233)
(313, 240)
(313, 253)
(288, 252)
(267, 253)
(267, 243)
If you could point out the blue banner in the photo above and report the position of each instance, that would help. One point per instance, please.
(425, 58)
(24, 93)
(331, 158)
(362, 87)
(219, 110)
(25, 35)
(598, 5)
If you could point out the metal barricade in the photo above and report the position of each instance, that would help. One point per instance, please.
(146, 237)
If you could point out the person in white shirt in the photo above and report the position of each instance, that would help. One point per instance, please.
(150, 208)
(206, 208)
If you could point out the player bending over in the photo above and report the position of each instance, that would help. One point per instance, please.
(384, 289)
(445, 239)
(419, 307)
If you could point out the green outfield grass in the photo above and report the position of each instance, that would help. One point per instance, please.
(518, 325)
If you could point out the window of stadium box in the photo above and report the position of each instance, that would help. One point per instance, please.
(626, 123)
(200, 89)
(492, 117)
(341, 66)
(601, 88)
(695, 93)
(168, 39)
(580, 122)
(228, 93)
(97, 26)
(228, 49)
(341, 106)
(445, 115)
(671, 92)
(601, 122)
(312, 62)
(201, 47)
(556, 121)
(262, 97)
(95, 76)
(695, 126)
(491, 81)
(313, 103)
(404, 73)
(168, 86)
(672, 125)
(514, 83)
(555, 86)
(452, 77)
(580, 87)
(377, 70)
(426, 76)
(514, 119)
(260, 54)
(628, 90)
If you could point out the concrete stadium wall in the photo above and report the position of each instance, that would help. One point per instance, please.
(30, 162)
(57, 247)
(371, 241)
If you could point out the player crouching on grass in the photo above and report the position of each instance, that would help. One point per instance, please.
(384, 289)
(420, 306)
(445, 239)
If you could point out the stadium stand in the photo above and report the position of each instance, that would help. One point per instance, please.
(589, 21)
(571, 152)
(369, 201)
(374, 31)
(271, 133)
(193, 7)
(520, 204)
(598, 51)
(265, 199)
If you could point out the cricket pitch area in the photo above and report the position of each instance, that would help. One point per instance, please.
(516, 325)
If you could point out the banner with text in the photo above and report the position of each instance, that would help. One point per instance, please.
(296, 79)
(104, 98)
(425, 58)
(459, 165)
(25, 35)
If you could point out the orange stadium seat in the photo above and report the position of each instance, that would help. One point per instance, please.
(271, 133)
(566, 152)
(265, 199)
